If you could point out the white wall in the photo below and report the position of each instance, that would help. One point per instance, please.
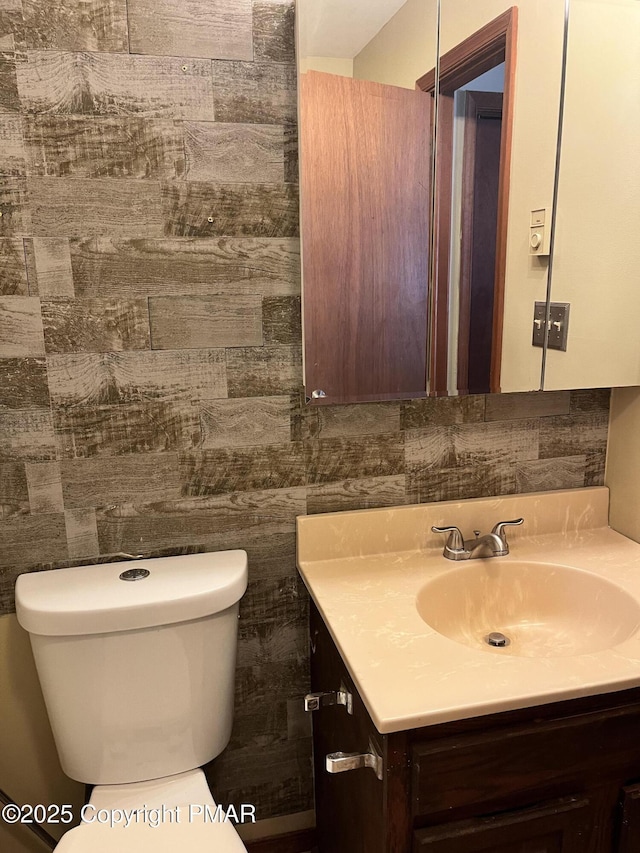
(29, 768)
(328, 64)
(623, 462)
(404, 49)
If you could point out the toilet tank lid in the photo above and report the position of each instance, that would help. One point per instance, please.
(95, 600)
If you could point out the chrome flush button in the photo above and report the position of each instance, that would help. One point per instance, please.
(135, 574)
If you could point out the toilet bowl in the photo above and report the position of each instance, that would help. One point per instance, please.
(137, 663)
(176, 813)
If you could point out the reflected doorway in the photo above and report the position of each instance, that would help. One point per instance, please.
(484, 51)
(475, 182)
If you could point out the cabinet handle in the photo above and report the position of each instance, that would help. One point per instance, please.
(340, 762)
(315, 701)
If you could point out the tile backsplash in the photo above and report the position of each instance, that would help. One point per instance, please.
(150, 343)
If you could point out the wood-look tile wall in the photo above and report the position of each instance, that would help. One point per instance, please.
(150, 344)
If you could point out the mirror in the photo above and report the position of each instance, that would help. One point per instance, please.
(366, 163)
(596, 255)
(475, 82)
(383, 303)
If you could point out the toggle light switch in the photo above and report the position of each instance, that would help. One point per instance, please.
(555, 330)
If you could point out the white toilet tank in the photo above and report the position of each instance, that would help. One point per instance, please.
(137, 674)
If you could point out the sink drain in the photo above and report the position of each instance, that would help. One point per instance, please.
(495, 638)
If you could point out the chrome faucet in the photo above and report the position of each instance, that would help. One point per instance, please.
(493, 544)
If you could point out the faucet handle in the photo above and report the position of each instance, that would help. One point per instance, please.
(499, 529)
(455, 542)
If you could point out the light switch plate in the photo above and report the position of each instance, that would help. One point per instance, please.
(558, 326)
(539, 316)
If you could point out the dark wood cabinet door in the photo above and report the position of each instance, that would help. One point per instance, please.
(557, 827)
(629, 830)
(350, 806)
(365, 184)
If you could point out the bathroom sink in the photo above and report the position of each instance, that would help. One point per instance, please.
(528, 609)
(411, 625)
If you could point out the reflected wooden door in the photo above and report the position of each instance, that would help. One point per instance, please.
(365, 178)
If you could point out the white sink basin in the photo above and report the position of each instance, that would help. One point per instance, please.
(411, 625)
(542, 609)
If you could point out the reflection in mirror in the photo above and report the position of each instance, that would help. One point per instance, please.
(596, 255)
(365, 183)
(366, 165)
(474, 129)
(486, 281)
(477, 131)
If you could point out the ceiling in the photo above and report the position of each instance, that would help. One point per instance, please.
(341, 28)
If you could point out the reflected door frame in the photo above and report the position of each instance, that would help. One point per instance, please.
(489, 46)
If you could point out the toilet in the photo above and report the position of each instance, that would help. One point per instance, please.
(137, 664)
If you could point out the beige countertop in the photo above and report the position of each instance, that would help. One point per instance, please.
(365, 570)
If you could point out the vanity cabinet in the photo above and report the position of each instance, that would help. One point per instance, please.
(558, 778)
